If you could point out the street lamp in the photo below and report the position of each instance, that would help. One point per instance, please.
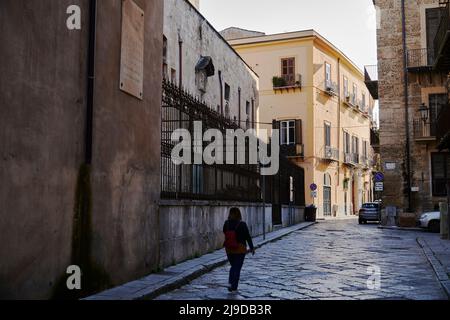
(424, 112)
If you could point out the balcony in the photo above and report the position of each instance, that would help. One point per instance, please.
(365, 162)
(371, 80)
(351, 159)
(287, 82)
(293, 150)
(351, 101)
(424, 131)
(331, 154)
(420, 60)
(442, 40)
(331, 88)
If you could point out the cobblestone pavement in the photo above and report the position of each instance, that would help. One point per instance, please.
(327, 261)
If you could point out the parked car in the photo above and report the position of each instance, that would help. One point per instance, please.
(431, 221)
(370, 212)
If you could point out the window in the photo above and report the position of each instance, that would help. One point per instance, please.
(346, 92)
(227, 92)
(288, 132)
(327, 135)
(355, 145)
(346, 142)
(247, 108)
(173, 75)
(363, 101)
(436, 102)
(288, 69)
(433, 18)
(355, 93)
(440, 167)
(328, 75)
(365, 149)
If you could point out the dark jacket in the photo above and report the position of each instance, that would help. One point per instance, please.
(242, 232)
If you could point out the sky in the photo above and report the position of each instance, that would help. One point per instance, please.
(349, 24)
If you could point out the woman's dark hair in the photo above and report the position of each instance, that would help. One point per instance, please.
(235, 214)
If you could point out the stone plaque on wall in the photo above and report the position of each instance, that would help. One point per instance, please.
(132, 50)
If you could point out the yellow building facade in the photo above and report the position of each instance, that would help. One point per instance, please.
(317, 97)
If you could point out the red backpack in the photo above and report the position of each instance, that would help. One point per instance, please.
(231, 241)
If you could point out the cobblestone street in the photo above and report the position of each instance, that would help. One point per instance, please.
(327, 261)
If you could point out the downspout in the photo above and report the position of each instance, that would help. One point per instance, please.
(90, 81)
(180, 53)
(339, 129)
(406, 82)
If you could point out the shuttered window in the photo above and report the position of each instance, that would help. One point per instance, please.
(433, 17)
(440, 167)
(327, 135)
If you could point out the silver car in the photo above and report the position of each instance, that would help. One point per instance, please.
(370, 212)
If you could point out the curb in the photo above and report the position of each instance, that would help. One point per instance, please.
(438, 269)
(179, 275)
(401, 228)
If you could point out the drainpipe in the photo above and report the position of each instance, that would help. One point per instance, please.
(406, 81)
(90, 81)
(339, 129)
(180, 54)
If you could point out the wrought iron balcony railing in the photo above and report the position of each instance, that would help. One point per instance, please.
(420, 59)
(351, 159)
(287, 81)
(424, 130)
(331, 153)
(292, 150)
(331, 88)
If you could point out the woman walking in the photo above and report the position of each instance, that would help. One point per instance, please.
(237, 236)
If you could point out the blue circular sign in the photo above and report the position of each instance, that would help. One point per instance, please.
(379, 177)
(313, 187)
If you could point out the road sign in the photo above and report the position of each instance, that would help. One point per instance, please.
(314, 194)
(379, 177)
(313, 187)
(379, 186)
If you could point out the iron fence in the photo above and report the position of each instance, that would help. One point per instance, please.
(200, 181)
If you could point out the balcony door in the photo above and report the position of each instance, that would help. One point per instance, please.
(327, 195)
(288, 70)
(433, 17)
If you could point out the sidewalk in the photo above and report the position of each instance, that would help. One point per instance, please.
(437, 252)
(181, 274)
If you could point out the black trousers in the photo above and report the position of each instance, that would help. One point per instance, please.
(236, 261)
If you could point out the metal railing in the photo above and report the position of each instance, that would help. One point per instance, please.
(351, 158)
(200, 181)
(287, 81)
(371, 73)
(443, 30)
(424, 129)
(420, 58)
(292, 150)
(331, 153)
(331, 87)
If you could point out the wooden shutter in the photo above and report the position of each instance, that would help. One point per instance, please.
(433, 17)
(298, 131)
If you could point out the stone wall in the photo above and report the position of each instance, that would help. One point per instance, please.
(43, 81)
(238, 33)
(392, 104)
(193, 228)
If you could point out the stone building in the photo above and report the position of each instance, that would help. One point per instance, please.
(412, 93)
(198, 59)
(79, 157)
(317, 97)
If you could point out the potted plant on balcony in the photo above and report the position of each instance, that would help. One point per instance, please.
(278, 82)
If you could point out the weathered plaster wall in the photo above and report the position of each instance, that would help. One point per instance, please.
(42, 104)
(42, 127)
(194, 228)
(238, 33)
(182, 21)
